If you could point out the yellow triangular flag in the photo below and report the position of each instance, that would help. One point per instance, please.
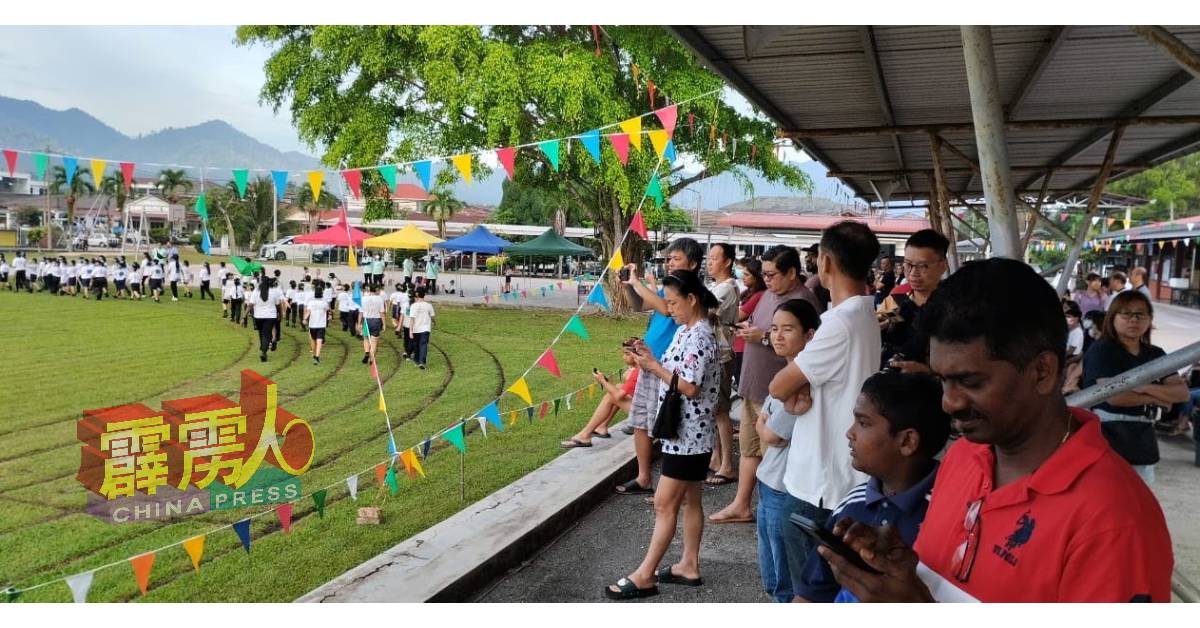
(659, 140)
(617, 262)
(382, 403)
(463, 163)
(416, 463)
(512, 419)
(314, 182)
(98, 170)
(591, 391)
(353, 259)
(521, 389)
(633, 127)
(195, 549)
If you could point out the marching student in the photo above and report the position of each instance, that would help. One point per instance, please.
(266, 304)
(422, 314)
(237, 296)
(134, 282)
(400, 302)
(316, 317)
(223, 281)
(307, 294)
(120, 277)
(156, 280)
(100, 278)
(73, 278)
(20, 264)
(205, 280)
(4, 268)
(292, 309)
(344, 301)
(187, 278)
(371, 315)
(86, 268)
(174, 274)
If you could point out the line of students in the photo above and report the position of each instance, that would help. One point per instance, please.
(90, 277)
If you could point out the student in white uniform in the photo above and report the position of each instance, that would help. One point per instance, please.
(4, 270)
(20, 264)
(305, 297)
(120, 279)
(52, 276)
(187, 279)
(223, 281)
(100, 279)
(135, 282)
(343, 305)
(72, 275)
(316, 317)
(174, 274)
(293, 307)
(277, 291)
(422, 315)
(86, 268)
(206, 282)
(156, 280)
(400, 302)
(371, 315)
(236, 297)
(266, 305)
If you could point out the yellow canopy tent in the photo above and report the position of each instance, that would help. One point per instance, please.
(410, 237)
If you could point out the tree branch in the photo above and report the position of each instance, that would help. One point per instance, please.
(683, 183)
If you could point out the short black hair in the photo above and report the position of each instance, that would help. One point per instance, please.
(1092, 277)
(785, 258)
(420, 293)
(804, 312)
(853, 247)
(1006, 303)
(911, 401)
(928, 239)
(690, 249)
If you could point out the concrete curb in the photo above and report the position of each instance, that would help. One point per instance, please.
(452, 560)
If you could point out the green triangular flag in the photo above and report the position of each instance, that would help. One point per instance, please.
(391, 480)
(575, 326)
(11, 594)
(319, 501)
(40, 160)
(239, 177)
(389, 175)
(455, 436)
(655, 190)
(551, 150)
(556, 404)
(202, 207)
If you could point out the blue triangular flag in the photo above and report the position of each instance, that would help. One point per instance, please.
(669, 152)
(598, 297)
(358, 293)
(425, 448)
(243, 531)
(492, 414)
(391, 446)
(529, 411)
(205, 242)
(591, 141)
(69, 165)
(281, 177)
(424, 170)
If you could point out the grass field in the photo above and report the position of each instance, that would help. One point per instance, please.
(64, 355)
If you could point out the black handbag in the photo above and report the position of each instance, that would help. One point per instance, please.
(1135, 441)
(670, 413)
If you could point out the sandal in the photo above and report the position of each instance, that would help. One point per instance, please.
(712, 519)
(633, 488)
(666, 576)
(573, 444)
(599, 435)
(719, 480)
(627, 590)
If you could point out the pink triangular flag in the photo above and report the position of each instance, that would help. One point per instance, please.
(507, 157)
(10, 156)
(620, 144)
(127, 173)
(374, 370)
(354, 180)
(668, 116)
(543, 409)
(638, 224)
(285, 517)
(548, 362)
(487, 299)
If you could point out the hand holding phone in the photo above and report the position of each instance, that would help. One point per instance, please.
(821, 536)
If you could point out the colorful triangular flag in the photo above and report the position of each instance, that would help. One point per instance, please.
(195, 550)
(424, 170)
(456, 437)
(591, 391)
(240, 177)
(314, 183)
(142, 565)
(40, 161)
(382, 403)
(659, 139)
(280, 177)
(507, 158)
(381, 470)
(202, 206)
(654, 190)
(463, 163)
(10, 158)
(319, 501)
(529, 413)
(668, 116)
(491, 412)
(669, 153)
(521, 389)
(354, 180)
(412, 457)
(80, 584)
(591, 141)
(598, 297)
(242, 528)
(550, 148)
(352, 486)
(557, 403)
(389, 174)
(620, 144)
(425, 445)
(617, 262)
(69, 166)
(512, 418)
(568, 400)
(482, 425)
(638, 224)
(98, 166)
(127, 174)
(543, 409)
(548, 362)
(391, 480)
(633, 128)
(284, 511)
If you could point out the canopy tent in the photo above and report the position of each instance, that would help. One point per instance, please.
(340, 234)
(479, 240)
(410, 237)
(549, 244)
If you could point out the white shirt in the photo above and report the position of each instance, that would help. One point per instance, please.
(774, 457)
(187, 274)
(290, 295)
(156, 272)
(85, 272)
(52, 269)
(268, 308)
(422, 316)
(120, 274)
(100, 271)
(841, 356)
(1075, 341)
(372, 306)
(307, 297)
(318, 313)
(344, 301)
(19, 264)
(135, 277)
(172, 272)
(223, 275)
(3, 268)
(205, 275)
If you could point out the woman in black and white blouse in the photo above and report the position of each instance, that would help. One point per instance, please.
(695, 357)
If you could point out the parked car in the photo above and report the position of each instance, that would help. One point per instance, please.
(287, 249)
(322, 255)
(102, 241)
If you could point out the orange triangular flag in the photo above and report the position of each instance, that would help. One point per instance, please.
(381, 474)
(406, 460)
(416, 462)
(195, 549)
(141, 569)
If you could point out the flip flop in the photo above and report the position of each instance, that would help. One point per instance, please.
(730, 519)
(720, 480)
(633, 488)
(573, 444)
(629, 591)
(599, 435)
(666, 576)
(627, 430)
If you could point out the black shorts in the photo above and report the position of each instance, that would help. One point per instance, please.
(374, 326)
(692, 468)
(71, 281)
(316, 334)
(156, 284)
(121, 285)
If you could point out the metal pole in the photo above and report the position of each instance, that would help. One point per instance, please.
(275, 214)
(1093, 203)
(987, 112)
(1144, 374)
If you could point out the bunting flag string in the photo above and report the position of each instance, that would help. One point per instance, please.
(241, 177)
(284, 511)
(319, 502)
(548, 362)
(242, 528)
(195, 550)
(142, 566)
(80, 584)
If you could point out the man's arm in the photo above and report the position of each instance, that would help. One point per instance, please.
(788, 382)
(647, 293)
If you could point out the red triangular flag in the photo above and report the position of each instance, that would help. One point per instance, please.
(543, 410)
(620, 144)
(10, 156)
(285, 517)
(127, 174)
(669, 116)
(651, 88)
(507, 157)
(381, 474)
(548, 362)
(638, 225)
(141, 569)
(354, 179)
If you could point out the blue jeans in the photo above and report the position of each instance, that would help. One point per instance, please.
(772, 516)
(1191, 403)
(421, 347)
(799, 545)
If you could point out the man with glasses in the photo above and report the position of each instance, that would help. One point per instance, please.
(1031, 505)
(924, 264)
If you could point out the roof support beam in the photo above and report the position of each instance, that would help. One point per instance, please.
(1013, 125)
(1040, 63)
(1156, 156)
(1162, 39)
(875, 69)
(1038, 169)
(1031, 221)
(943, 200)
(1093, 203)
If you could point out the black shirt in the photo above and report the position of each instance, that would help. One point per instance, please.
(1107, 358)
(906, 336)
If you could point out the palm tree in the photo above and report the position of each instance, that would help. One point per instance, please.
(441, 207)
(223, 205)
(78, 186)
(256, 211)
(113, 185)
(171, 182)
(324, 200)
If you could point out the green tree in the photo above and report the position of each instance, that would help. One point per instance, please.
(377, 197)
(523, 204)
(78, 186)
(441, 207)
(1175, 183)
(254, 219)
(113, 185)
(373, 94)
(223, 213)
(171, 183)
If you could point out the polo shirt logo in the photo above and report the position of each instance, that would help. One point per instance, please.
(1019, 537)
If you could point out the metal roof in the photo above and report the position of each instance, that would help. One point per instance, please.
(1064, 89)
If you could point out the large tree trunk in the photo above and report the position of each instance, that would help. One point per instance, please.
(232, 236)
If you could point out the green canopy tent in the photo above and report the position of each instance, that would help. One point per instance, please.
(549, 244)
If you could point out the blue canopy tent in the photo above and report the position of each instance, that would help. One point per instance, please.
(478, 240)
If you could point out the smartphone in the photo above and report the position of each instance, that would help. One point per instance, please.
(623, 274)
(824, 537)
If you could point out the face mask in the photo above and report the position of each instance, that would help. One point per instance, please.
(1087, 323)
(739, 273)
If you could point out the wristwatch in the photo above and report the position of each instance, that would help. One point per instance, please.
(766, 339)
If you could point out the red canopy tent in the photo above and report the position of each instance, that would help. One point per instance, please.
(339, 234)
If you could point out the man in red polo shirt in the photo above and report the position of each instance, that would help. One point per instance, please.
(1031, 505)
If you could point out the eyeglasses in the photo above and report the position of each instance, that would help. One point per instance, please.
(964, 556)
(910, 267)
(1134, 316)
(770, 274)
